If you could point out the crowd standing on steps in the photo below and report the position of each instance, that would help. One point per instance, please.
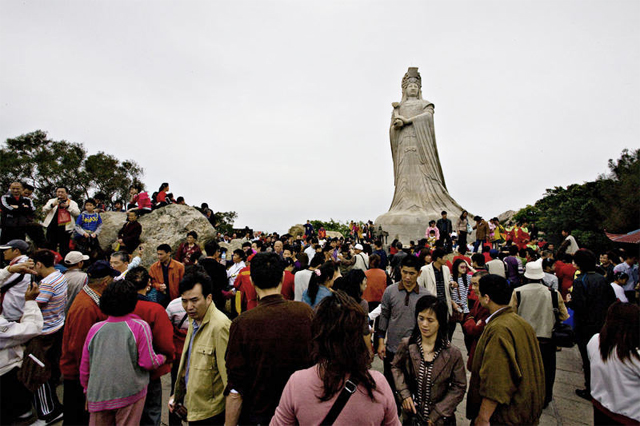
(284, 329)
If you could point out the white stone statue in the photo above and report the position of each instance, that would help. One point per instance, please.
(420, 190)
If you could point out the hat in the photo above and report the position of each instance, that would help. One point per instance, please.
(493, 253)
(102, 269)
(74, 257)
(16, 244)
(533, 270)
(358, 247)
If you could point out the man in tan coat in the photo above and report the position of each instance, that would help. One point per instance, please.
(507, 375)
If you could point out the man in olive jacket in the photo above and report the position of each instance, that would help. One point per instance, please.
(202, 375)
(507, 374)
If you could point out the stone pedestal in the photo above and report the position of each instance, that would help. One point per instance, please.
(410, 225)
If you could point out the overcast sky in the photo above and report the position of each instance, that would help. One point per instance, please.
(280, 110)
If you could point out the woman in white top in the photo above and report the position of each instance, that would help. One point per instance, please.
(614, 355)
(619, 281)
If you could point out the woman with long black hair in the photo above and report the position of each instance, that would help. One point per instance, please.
(614, 355)
(462, 228)
(341, 370)
(320, 284)
(428, 371)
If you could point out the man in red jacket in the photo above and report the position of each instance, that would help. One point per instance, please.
(83, 314)
(162, 331)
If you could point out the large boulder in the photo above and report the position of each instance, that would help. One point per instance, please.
(296, 230)
(231, 246)
(166, 225)
(334, 234)
(506, 218)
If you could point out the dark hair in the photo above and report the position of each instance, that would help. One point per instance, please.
(462, 214)
(352, 282)
(620, 332)
(62, 187)
(423, 255)
(410, 262)
(28, 187)
(432, 221)
(90, 200)
(316, 261)
(44, 256)
(462, 249)
(122, 255)
(437, 254)
(443, 212)
(240, 253)
(513, 250)
(486, 249)
(139, 277)
(163, 186)
(327, 271)
(496, 287)
(196, 276)
(211, 248)
(374, 261)
(454, 272)
(585, 259)
(259, 244)
(547, 263)
(119, 298)
(620, 276)
(179, 199)
(246, 244)
(479, 274)
(194, 234)
(432, 303)
(338, 346)
(478, 258)
(266, 270)
(164, 247)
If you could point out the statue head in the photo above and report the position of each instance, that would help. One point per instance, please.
(412, 84)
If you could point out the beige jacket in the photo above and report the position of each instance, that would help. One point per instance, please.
(50, 210)
(427, 279)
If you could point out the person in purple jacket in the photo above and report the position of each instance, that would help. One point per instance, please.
(116, 359)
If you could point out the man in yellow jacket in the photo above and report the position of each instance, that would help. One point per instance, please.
(202, 374)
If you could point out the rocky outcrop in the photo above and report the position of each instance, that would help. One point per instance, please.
(166, 225)
(334, 234)
(506, 218)
(296, 230)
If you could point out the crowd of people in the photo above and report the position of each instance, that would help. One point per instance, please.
(284, 330)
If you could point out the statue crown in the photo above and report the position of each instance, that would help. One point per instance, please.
(412, 76)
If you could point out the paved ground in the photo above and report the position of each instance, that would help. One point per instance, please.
(566, 409)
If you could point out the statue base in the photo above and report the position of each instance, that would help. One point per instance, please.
(410, 225)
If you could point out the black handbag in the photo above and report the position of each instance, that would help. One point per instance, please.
(562, 335)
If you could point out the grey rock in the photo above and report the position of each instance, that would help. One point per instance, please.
(166, 225)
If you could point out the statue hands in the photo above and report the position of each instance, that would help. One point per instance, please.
(401, 121)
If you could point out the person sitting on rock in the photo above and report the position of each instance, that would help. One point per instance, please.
(129, 234)
(189, 251)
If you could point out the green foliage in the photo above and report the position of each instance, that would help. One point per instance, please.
(611, 202)
(331, 225)
(44, 163)
(223, 221)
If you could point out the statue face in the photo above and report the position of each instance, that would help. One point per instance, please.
(412, 89)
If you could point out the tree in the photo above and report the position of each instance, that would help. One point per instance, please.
(46, 164)
(223, 221)
(331, 225)
(611, 202)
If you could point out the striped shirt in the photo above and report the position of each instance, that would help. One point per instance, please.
(53, 292)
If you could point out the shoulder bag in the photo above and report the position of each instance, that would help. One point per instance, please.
(350, 387)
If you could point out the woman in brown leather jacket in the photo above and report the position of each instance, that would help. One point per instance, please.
(428, 371)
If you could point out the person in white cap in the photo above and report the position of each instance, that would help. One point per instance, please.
(75, 276)
(13, 286)
(361, 258)
(534, 302)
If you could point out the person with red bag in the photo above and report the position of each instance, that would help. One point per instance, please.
(60, 220)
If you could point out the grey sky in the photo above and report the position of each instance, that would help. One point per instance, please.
(280, 110)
